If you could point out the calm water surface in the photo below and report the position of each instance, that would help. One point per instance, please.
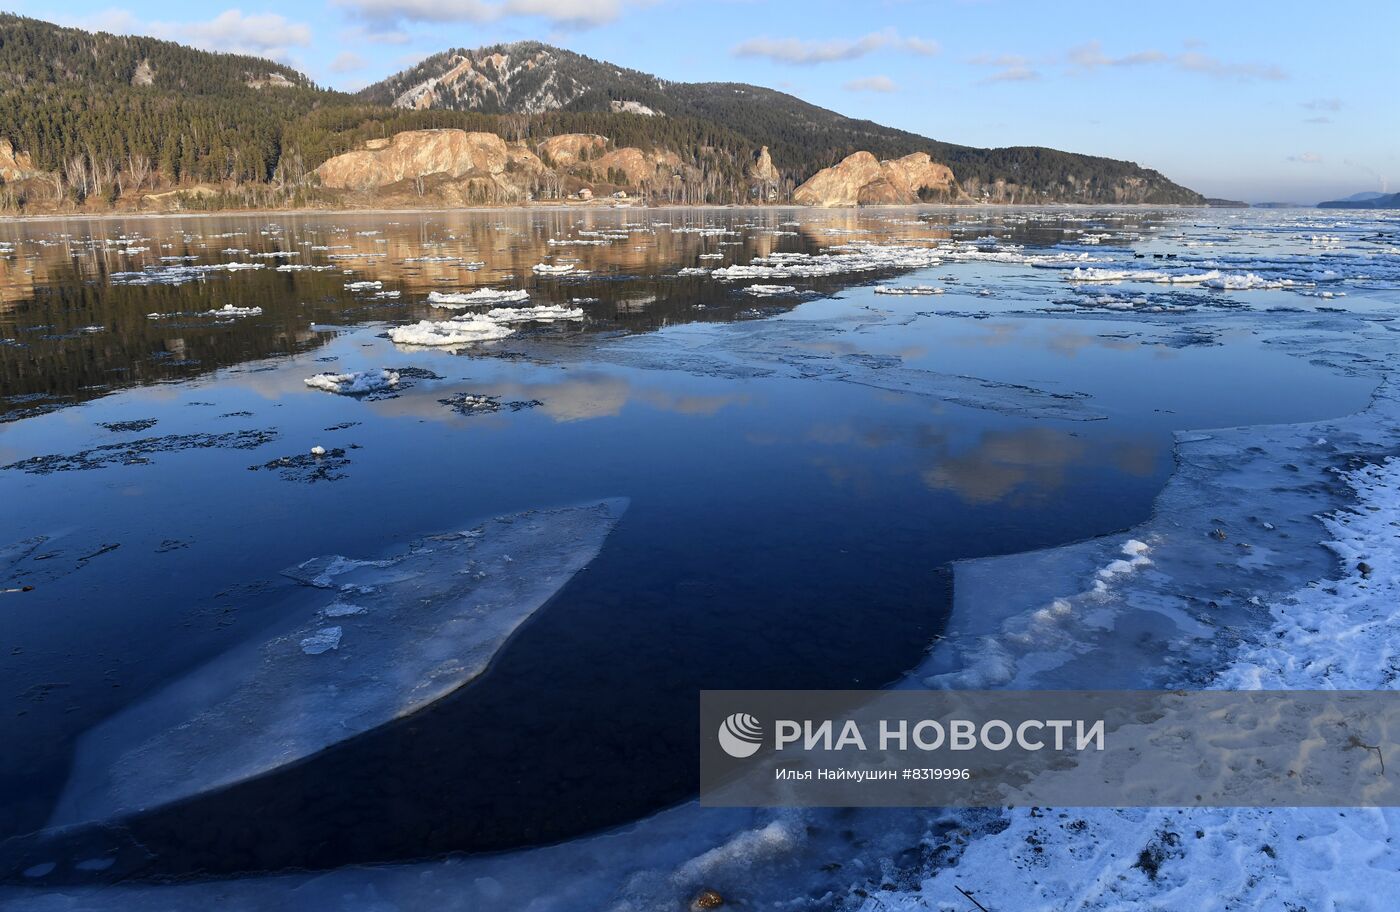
(785, 531)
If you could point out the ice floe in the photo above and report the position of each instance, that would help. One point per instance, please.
(544, 313)
(908, 290)
(228, 311)
(1246, 282)
(853, 258)
(449, 332)
(480, 296)
(356, 383)
(435, 614)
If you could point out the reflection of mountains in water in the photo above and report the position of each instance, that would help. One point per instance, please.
(73, 333)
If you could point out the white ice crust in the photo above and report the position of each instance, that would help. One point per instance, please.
(418, 625)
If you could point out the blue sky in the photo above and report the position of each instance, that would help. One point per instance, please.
(1258, 100)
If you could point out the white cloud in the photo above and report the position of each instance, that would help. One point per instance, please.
(1009, 68)
(260, 34)
(116, 21)
(363, 34)
(1089, 57)
(347, 62)
(411, 59)
(872, 84)
(806, 52)
(568, 13)
(1307, 158)
(1196, 62)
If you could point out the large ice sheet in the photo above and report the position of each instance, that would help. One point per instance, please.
(1235, 528)
(371, 641)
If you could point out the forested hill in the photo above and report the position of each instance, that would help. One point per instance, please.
(529, 77)
(104, 115)
(195, 115)
(35, 54)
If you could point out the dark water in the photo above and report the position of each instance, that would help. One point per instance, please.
(784, 531)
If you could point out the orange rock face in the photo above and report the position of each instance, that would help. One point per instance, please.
(637, 165)
(16, 166)
(762, 168)
(416, 153)
(568, 149)
(861, 180)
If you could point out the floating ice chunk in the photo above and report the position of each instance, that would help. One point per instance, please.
(1096, 274)
(908, 290)
(768, 291)
(693, 271)
(842, 260)
(227, 311)
(545, 313)
(363, 286)
(356, 383)
(323, 640)
(1247, 282)
(318, 450)
(342, 609)
(449, 332)
(480, 296)
(547, 269)
(435, 615)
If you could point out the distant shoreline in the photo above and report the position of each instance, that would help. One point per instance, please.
(578, 207)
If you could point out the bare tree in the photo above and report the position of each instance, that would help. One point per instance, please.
(104, 172)
(78, 175)
(138, 169)
(290, 171)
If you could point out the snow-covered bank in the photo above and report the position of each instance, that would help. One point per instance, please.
(1327, 634)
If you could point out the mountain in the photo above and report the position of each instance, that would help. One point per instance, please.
(1368, 200)
(89, 119)
(91, 109)
(39, 55)
(530, 78)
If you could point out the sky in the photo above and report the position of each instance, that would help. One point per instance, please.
(1261, 101)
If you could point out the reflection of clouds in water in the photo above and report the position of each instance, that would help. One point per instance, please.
(581, 397)
(1058, 339)
(1030, 463)
(1004, 464)
(1026, 462)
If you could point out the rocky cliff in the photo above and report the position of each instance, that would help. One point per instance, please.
(761, 169)
(458, 165)
(456, 155)
(569, 149)
(861, 180)
(16, 166)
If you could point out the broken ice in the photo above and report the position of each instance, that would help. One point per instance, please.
(423, 622)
